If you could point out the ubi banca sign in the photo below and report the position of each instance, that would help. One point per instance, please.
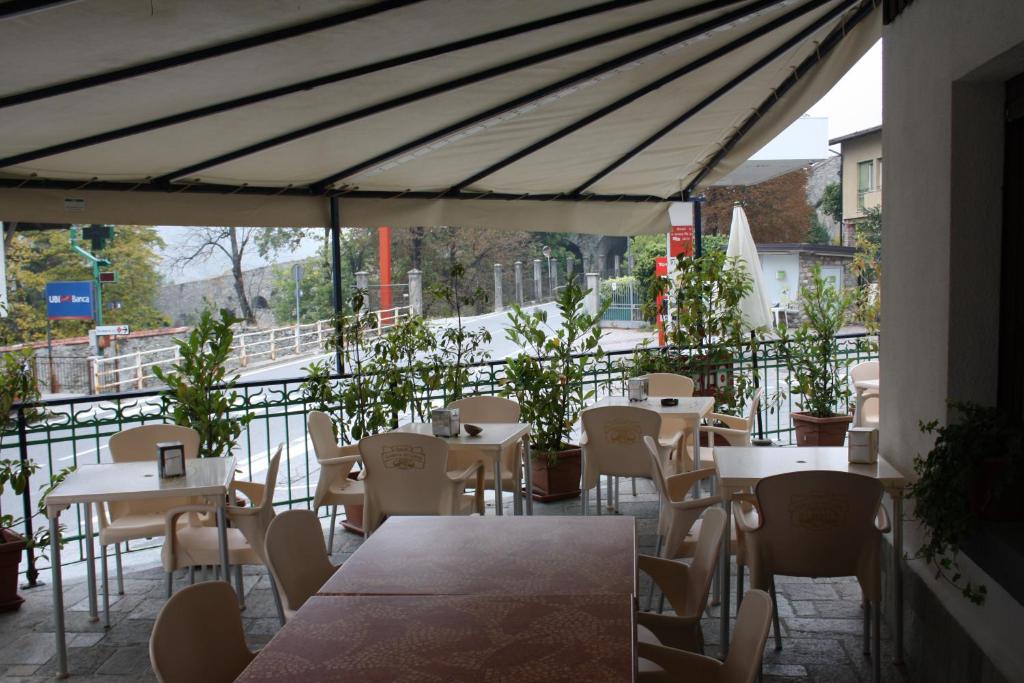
(69, 301)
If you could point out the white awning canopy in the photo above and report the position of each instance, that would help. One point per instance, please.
(576, 115)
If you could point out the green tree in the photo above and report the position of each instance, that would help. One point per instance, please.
(817, 233)
(831, 202)
(38, 257)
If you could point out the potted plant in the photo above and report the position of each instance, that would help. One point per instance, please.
(811, 355)
(972, 473)
(200, 393)
(547, 379)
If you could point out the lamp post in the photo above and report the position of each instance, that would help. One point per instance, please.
(551, 280)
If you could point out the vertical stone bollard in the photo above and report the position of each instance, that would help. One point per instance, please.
(497, 287)
(570, 265)
(416, 292)
(593, 297)
(617, 265)
(553, 277)
(519, 282)
(538, 281)
(586, 267)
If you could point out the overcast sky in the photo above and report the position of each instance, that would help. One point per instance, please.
(855, 103)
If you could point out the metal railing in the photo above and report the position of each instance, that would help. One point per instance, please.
(135, 370)
(63, 432)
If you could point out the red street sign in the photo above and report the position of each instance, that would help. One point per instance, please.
(680, 241)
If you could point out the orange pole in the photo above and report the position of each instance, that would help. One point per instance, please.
(384, 242)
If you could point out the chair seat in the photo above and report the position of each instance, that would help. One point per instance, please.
(198, 545)
(134, 527)
(346, 492)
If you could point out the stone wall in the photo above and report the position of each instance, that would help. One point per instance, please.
(184, 302)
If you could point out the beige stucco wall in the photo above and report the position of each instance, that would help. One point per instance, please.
(864, 148)
(945, 63)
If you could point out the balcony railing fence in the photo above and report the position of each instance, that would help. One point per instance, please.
(60, 433)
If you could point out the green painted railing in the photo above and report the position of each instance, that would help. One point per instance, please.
(64, 432)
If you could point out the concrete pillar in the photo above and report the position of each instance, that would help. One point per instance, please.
(570, 265)
(415, 292)
(519, 282)
(586, 266)
(497, 287)
(538, 281)
(617, 265)
(593, 298)
(552, 277)
(363, 280)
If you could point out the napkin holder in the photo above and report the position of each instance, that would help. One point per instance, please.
(444, 421)
(862, 444)
(170, 457)
(636, 389)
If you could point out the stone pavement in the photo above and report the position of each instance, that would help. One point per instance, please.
(821, 619)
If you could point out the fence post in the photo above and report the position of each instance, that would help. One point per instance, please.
(319, 334)
(243, 358)
(552, 276)
(97, 386)
(570, 265)
(416, 292)
(273, 346)
(519, 282)
(586, 266)
(617, 264)
(497, 287)
(363, 282)
(593, 298)
(538, 282)
(26, 498)
(139, 381)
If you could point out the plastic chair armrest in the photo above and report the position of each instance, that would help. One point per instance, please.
(693, 666)
(253, 491)
(478, 466)
(695, 503)
(172, 515)
(340, 460)
(747, 521)
(677, 485)
(731, 421)
(882, 520)
(735, 437)
(670, 576)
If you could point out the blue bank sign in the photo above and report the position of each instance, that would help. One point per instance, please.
(69, 301)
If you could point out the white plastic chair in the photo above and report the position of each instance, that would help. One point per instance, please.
(297, 557)
(407, 474)
(195, 545)
(738, 431)
(493, 409)
(334, 487)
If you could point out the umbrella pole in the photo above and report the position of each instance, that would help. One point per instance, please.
(757, 383)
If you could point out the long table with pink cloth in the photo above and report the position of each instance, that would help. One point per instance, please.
(470, 599)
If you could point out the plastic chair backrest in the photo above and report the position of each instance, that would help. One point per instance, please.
(255, 527)
(486, 409)
(817, 523)
(321, 433)
(138, 444)
(705, 559)
(755, 405)
(297, 556)
(406, 474)
(669, 384)
(657, 471)
(615, 439)
(198, 636)
(743, 663)
(867, 370)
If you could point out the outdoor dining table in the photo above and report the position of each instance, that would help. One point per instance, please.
(692, 409)
(739, 470)
(470, 599)
(112, 482)
(863, 389)
(494, 438)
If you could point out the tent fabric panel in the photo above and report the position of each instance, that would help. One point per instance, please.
(147, 208)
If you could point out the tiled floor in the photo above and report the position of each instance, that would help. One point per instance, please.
(821, 619)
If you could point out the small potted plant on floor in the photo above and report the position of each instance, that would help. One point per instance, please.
(547, 379)
(817, 379)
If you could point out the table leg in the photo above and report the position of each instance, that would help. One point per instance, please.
(723, 564)
(222, 533)
(499, 502)
(90, 566)
(897, 573)
(528, 467)
(58, 597)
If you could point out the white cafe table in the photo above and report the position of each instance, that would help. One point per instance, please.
(741, 468)
(204, 477)
(493, 440)
(692, 409)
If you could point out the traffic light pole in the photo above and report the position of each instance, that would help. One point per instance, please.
(97, 292)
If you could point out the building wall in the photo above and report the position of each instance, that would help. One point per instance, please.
(945, 63)
(865, 148)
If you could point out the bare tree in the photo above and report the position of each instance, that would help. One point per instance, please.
(233, 243)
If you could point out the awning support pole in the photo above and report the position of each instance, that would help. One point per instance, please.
(336, 280)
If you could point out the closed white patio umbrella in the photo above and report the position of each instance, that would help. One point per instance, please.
(756, 310)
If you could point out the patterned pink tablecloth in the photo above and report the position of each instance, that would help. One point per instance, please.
(453, 638)
(492, 556)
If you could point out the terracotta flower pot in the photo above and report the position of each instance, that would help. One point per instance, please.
(821, 431)
(557, 481)
(10, 557)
